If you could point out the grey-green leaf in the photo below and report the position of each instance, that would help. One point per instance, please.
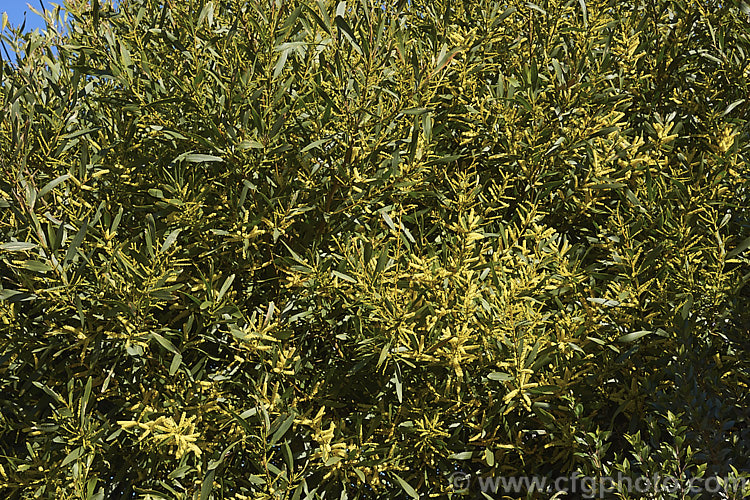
(18, 246)
(52, 184)
(631, 337)
(499, 376)
(408, 489)
(201, 158)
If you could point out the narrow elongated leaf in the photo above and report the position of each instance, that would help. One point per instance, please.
(584, 12)
(72, 456)
(224, 287)
(85, 398)
(79, 133)
(280, 63)
(388, 220)
(77, 240)
(201, 158)
(348, 33)
(207, 485)
(731, 107)
(166, 343)
(444, 60)
(744, 245)
(283, 428)
(36, 266)
(500, 376)
(169, 241)
(343, 276)
(250, 144)
(408, 489)
(18, 246)
(52, 184)
(175, 365)
(631, 337)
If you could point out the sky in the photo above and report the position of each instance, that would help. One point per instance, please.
(16, 9)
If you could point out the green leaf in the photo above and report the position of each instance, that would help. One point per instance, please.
(489, 457)
(344, 277)
(407, 233)
(507, 12)
(383, 260)
(18, 246)
(250, 144)
(49, 392)
(444, 59)
(732, 106)
(607, 185)
(535, 7)
(687, 306)
(170, 240)
(241, 420)
(348, 33)
(543, 389)
(603, 132)
(499, 376)
(175, 365)
(224, 287)
(116, 222)
(427, 126)
(288, 455)
(315, 144)
(444, 160)
(36, 266)
(127, 62)
(52, 184)
(399, 385)
(408, 489)
(584, 12)
(388, 220)
(15, 295)
(79, 133)
(207, 10)
(166, 343)
(280, 62)
(85, 398)
(558, 72)
(326, 27)
(253, 479)
(283, 428)
(208, 484)
(201, 158)
(383, 354)
(604, 302)
(73, 455)
(415, 111)
(744, 245)
(77, 240)
(631, 337)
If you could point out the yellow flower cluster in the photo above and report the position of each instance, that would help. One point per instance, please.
(164, 430)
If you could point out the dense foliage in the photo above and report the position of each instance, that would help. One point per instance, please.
(293, 249)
